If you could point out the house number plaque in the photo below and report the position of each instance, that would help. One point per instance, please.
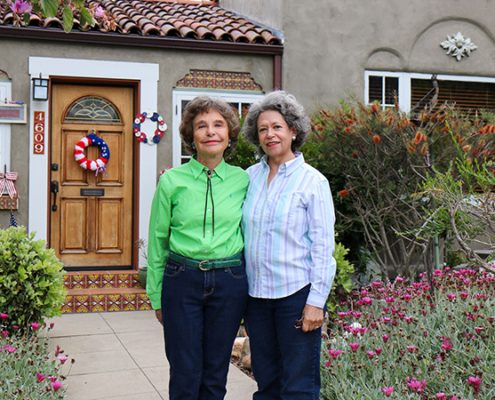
(39, 133)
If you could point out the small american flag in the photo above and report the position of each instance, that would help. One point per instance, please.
(13, 222)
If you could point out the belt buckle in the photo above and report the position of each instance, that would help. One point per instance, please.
(200, 265)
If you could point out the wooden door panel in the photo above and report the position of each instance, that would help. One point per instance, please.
(114, 175)
(110, 215)
(93, 224)
(72, 173)
(73, 225)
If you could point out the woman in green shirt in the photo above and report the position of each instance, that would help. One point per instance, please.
(196, 277)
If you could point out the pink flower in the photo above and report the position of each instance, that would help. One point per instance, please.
(385, 338)
(388, 390)
(475, 383)
(447, 344)
(399, 279)
(9, 348)
(378, 351)
(451, 296)
(407, 298)
(371, 354)
(478, 329)
(367, 300)
(334, 353)
(411, 348)
(4, 316)
(464, 295)
(40, 377)
(377, 284)
(99, 12)
(56, 385)
(441, 396)
(20, 7)
(389, 299)
(62, 358)
(5, 333)
(58, 350)
(354, 346)
(416, 385)
(35, 326)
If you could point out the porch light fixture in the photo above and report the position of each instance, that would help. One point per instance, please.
(40, 88)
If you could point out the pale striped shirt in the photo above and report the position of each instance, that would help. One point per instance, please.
(289, 232)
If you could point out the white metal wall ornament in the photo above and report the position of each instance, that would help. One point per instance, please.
(458, 46)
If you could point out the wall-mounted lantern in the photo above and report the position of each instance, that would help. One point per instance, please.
(40, 88)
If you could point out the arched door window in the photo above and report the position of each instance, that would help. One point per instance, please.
(92, 109)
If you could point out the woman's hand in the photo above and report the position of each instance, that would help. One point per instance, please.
(312, 318)
(158, 314)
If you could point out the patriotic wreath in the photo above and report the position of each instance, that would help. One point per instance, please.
(98, 165)
(161, 127)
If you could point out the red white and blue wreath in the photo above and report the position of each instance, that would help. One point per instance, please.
(159, 132)
(98, 165)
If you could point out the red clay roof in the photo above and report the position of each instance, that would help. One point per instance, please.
(188, 19)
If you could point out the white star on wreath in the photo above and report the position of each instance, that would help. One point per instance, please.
(458, 46)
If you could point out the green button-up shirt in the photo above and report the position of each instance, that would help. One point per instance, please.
(177, 218)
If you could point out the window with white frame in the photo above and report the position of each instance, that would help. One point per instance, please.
(414, 90)
(5, 95)
(239, 101)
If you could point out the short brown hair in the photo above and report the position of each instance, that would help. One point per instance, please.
(203, 104)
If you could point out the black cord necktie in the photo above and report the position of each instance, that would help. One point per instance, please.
(209, 190)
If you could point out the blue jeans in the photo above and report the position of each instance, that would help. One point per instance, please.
(285, 360)
(201, 315)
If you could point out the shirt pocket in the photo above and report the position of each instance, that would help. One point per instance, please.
(292, 208)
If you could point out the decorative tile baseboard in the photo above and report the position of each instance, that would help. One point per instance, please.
(104, 291)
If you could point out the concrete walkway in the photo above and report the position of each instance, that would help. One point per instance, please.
(120, 356)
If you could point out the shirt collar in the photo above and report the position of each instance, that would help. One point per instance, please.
(197, 168)
(288, 167)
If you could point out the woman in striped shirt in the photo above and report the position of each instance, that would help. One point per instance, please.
(288, 224)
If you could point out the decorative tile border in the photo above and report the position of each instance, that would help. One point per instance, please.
(223, 80)
(106, 302)
(101, 302)
(100, 280)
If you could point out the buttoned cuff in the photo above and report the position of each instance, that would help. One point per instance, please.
(316, 299)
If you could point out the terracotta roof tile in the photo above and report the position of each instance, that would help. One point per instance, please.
(189, 19)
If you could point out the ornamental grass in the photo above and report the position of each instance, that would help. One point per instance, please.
(27, 370)
(409, 340)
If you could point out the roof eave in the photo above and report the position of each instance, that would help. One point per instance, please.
(99, 38)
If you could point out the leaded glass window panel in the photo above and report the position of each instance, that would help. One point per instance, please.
(92, 109)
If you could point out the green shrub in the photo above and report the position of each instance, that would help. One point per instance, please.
(342, 283)
(27, 370)
(244, 154)
(31, 278)
(376, 161)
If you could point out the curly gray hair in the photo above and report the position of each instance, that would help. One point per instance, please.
(290, 109)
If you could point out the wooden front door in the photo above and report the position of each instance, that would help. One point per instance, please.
(91, 214)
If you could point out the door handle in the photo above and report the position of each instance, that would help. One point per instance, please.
(54, 190)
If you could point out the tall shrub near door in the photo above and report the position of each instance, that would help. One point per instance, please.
(31, 278)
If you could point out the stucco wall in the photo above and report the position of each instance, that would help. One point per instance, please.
(329, 43)
(173, 66)
(263, 11)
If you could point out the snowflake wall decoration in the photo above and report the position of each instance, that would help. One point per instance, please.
(458, 46)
